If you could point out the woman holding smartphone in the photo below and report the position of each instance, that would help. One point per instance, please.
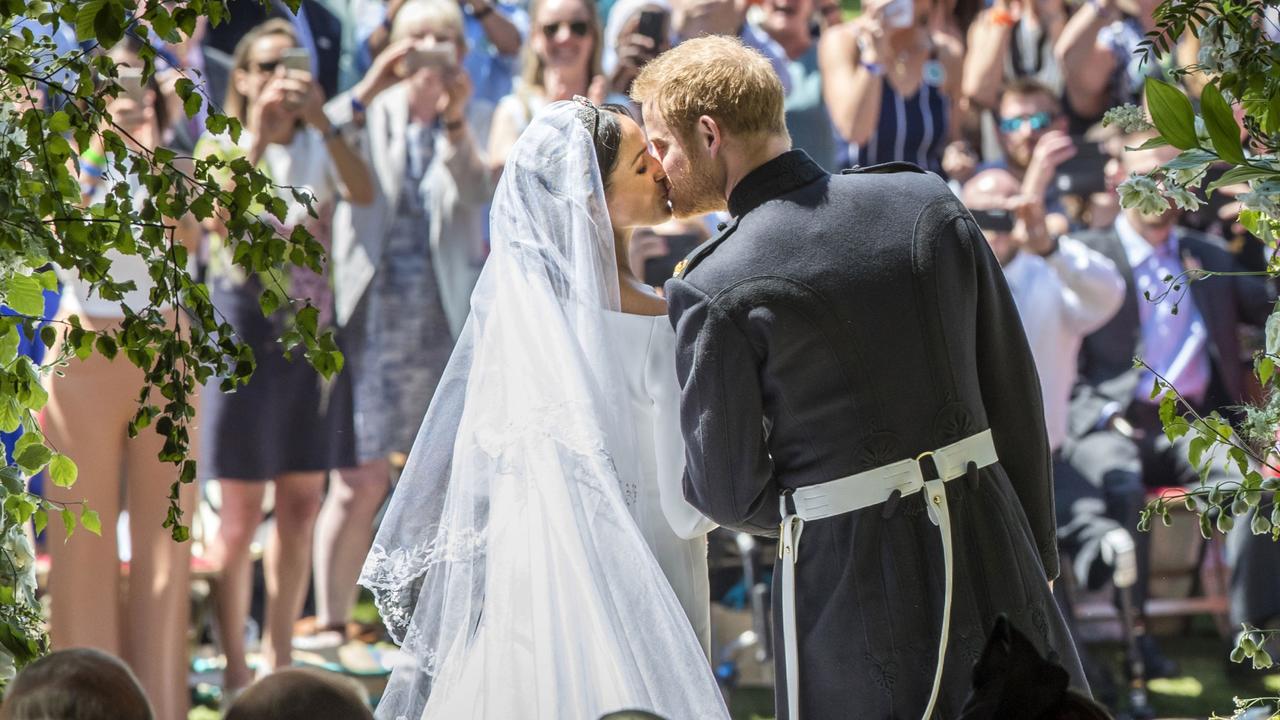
(282, 427)
(91, 404)
(403, 270)
(889, 78)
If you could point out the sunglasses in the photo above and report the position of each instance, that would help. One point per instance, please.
(1036, 121)
(267, 67)
(578, 28)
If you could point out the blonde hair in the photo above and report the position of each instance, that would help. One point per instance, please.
(534, 66)
(716, 76)
(437, 13)
(235, 103)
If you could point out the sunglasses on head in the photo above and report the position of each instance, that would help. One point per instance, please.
(578, 28)
(1036, 121)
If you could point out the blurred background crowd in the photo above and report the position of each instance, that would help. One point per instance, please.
(394, 119)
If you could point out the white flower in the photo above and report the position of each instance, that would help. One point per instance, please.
(17, 545)
(1141, 192)
(1128, 117)
(1188, 177)
(1264, 197)
(1182, 197)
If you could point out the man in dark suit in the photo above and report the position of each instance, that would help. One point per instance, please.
(1118, 446)
(853, 371)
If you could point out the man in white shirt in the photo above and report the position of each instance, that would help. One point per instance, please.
(1063, 290)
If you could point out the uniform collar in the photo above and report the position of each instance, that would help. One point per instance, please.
(789, 171)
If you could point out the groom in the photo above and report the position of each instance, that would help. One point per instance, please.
(855, 374)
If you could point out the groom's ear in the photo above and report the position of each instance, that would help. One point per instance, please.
(709, 134)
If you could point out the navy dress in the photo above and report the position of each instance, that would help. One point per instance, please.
(910, 129)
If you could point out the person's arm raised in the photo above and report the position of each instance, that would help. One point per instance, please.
(983, 75)
(498, 28)
(1086, 65)
(353, 173)
(851, 83)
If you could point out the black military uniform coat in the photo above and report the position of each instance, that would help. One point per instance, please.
(837, 324)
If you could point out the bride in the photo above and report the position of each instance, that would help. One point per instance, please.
(538, 559)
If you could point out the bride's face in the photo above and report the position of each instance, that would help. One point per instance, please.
(637, 194)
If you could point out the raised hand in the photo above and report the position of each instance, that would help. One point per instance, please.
(457, 93)
(1054, 148)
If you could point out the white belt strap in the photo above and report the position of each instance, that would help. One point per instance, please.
(865, 489)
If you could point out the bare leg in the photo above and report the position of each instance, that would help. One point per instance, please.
(158, 607)
(240, 516)
(288, 561)
(344, 532)
(85, 418)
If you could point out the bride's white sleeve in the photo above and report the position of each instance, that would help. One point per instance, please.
(664, 389)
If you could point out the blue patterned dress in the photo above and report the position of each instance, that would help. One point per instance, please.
(398, 339)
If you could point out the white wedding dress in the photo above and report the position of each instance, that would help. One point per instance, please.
(652, 482)
(537, 560)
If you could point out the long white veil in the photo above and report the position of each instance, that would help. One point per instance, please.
(508, 566)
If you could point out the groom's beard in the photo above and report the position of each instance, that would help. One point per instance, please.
(697, 192)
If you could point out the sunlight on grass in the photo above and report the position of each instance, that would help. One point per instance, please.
(1186, 687)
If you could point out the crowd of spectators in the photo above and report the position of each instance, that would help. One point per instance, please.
(394, 118)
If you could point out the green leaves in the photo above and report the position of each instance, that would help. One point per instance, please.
(1172, 114)
(269, 301)
(59, 122)
(90, 521)
(24, 294)
(1224, 132)
(1242, 173)
(62, 471)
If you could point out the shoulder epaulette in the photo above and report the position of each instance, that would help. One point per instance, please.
(889, 167)
(699, 253)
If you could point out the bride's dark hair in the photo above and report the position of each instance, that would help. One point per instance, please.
(606, 133)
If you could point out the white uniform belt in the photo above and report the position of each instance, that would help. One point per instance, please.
(862, 490)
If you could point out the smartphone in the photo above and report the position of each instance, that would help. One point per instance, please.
(994, 220)
(443, 55)
(130, 79)
(898, 13)
(296, 59)
(651, 24)
(660, 269)
(1085, 172)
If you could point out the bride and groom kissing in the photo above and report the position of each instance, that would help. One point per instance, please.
(842, 362)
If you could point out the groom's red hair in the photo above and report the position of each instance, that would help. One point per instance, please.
(716, 76)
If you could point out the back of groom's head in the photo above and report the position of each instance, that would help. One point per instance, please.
(76, 684)
(716, 76)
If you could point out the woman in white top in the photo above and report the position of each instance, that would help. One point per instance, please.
(91, 406)
(538, 560)
(280, 427)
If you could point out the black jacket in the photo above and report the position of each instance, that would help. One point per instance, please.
(840, 323)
